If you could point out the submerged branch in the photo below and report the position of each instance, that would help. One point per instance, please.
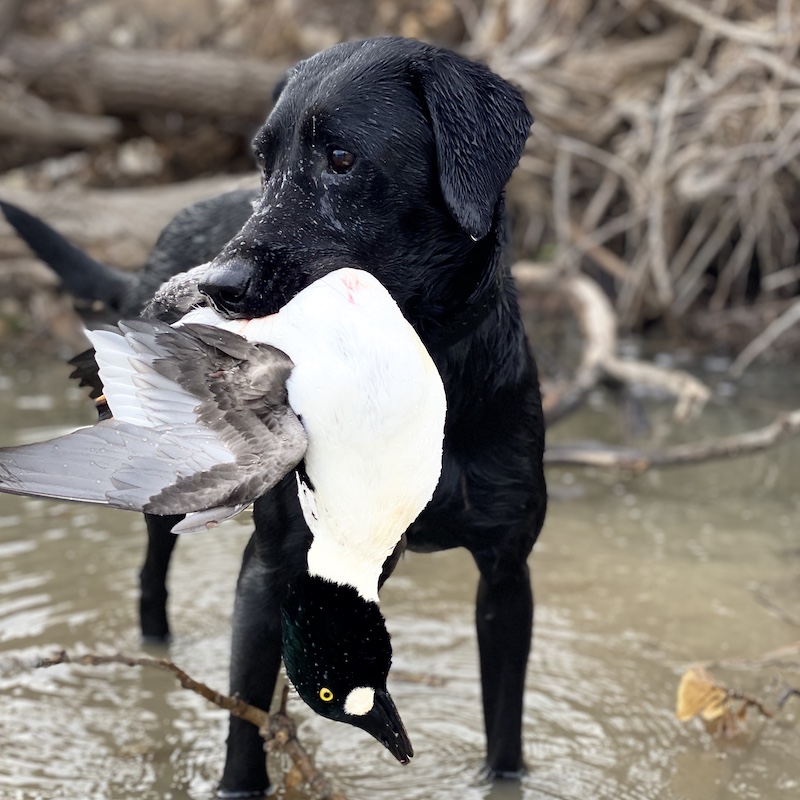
(278, 730)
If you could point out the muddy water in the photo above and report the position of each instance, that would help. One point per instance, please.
(635, 578)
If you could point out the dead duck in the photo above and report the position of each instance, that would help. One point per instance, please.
(208, 414)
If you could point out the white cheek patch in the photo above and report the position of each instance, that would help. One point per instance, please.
(360, 701)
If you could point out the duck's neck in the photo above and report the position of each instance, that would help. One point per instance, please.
(328, 559)
(354, 560)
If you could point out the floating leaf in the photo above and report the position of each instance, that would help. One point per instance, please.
(700, 694)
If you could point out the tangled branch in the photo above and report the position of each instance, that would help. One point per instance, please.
(278, 729)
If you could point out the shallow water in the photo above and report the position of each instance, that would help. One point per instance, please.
(635, 577)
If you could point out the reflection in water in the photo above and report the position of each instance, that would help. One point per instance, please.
(635, 578)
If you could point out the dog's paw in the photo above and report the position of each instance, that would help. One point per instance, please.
(491, 774)
(228, 794)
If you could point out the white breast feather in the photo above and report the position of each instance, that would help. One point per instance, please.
(373, 406)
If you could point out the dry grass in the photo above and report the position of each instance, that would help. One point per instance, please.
(664, 159)
(665, 149)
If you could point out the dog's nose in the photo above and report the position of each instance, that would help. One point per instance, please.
(226, 284)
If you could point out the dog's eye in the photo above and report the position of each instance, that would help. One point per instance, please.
(340, 160)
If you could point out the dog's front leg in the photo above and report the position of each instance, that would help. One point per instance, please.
(504, 618)
(255, 661)
(274, 555)
(153, 578)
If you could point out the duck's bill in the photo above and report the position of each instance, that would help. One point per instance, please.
(384, 723)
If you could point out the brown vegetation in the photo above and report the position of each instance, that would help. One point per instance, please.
(663, 163)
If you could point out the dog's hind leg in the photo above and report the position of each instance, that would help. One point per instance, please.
(504, 618)
(153, 578)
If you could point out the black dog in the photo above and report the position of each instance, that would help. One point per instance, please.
(391, 156)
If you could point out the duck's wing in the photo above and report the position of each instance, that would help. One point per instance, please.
(242, 401)
(85, 372)
(201, 423)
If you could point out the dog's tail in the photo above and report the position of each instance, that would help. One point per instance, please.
(80, 274)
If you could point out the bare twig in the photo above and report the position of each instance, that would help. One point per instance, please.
(740, 32)
(602, 256)
(278, 730)
(280, 733)
(790, 692)
(783, 323)
(776, 610)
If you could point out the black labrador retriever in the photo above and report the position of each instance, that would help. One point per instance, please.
(391, 156)
(388, 155)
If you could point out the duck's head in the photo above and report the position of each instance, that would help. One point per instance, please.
(337, 654)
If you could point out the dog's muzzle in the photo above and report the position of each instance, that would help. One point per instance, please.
(226, 286)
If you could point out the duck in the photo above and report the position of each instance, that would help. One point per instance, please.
(207, 414)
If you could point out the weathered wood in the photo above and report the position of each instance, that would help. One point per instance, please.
(639, 460)
(28, 118)
(598, 322)
(117, 81)
(117, 226)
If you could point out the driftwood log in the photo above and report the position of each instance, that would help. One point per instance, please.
(28, 117)
(599, 324)
(117, 81)
(679, 455)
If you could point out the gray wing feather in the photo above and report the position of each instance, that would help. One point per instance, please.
(78, 466)
(230, 442)
(210, 518)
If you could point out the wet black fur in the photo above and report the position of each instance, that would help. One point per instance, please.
(436, 137)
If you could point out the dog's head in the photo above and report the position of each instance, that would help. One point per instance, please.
(388, 155)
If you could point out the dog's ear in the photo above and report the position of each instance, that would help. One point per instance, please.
(480, 124)
(277, 90)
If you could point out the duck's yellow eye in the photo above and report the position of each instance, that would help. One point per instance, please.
(326, 695)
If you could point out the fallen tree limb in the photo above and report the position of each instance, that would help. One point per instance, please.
(637, 460)
(25, 116)
(278, 730)
(120, 81)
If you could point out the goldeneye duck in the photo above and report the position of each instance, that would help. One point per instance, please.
(208, 414)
